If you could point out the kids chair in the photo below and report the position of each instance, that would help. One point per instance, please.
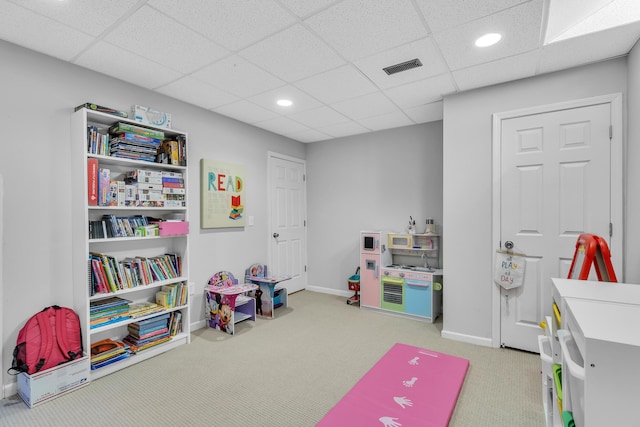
(227, 302)
(271, 295)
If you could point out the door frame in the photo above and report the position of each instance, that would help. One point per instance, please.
(270, 156)
(616, 184)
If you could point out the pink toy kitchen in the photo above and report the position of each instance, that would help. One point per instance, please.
(401, 273)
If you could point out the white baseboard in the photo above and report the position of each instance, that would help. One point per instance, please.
(198, 325)
(10, 389)
(470, 339)
(329, 291)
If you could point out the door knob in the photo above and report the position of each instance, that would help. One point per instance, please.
(508, 244)
(276, 235)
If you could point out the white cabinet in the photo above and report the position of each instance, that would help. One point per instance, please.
(600, 354)
(597, 345)
(138, 283)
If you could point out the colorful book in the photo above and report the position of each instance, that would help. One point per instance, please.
(120, 127)
(92, 184)
(104, 178)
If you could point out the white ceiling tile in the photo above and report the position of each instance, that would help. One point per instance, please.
(304, 8)
(519, 26)
(309, 136)
(499, 71)
(197, 93)
(374, 104)
(423, 49)
(153, 35)
(590, 48)
(359, 28)
(344, 129)
(33, 31)
(232, 24)
(282, 125)
(387, 121)
(301, 101)
(422, 92)
(90, 16)
(293, 54)
(246, 111)
(425, 113)
(337, 85)
(238, 57)
(238, 76)
(319, 117)
(100, 57)
(441, 14)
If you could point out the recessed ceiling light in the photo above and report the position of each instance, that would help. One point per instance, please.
(488, 40)
(284, 102)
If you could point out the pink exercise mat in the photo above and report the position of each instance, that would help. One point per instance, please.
(408, 386)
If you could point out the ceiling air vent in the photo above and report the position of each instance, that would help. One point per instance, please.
(404, 66)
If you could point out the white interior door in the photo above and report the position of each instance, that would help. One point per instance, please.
(555, 184)
(288, 234)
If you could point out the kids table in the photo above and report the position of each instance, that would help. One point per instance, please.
(270, 295)
(227, 302)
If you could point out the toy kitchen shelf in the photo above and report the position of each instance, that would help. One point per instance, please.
(425, 246)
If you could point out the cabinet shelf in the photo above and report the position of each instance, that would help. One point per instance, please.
(125, 322)
(152, 285)
(109, 160)
(133, 238)
(176, 341)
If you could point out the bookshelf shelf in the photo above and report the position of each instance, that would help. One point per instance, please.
(121, 292)
(108, 160)
(125, 322)
(164, 260)
(176, 341)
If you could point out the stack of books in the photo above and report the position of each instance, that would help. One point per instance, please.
(148, 333)
(107, 311)
(145, 308)
(135, 142)
(106, 352)
(173, 190)
(172, 295)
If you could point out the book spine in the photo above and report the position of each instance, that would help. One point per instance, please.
(92, 184)
(104, 176)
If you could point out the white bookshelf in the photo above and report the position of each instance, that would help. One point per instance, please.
(121, 247)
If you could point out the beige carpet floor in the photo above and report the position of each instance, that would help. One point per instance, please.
(288, 371)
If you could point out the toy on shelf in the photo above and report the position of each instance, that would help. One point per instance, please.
(270, 295)
(228, 302)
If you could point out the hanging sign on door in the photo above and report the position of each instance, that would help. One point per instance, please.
(509, 269)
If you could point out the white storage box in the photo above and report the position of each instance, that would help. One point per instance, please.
(46, 385)
(572, 377)
(148, 116)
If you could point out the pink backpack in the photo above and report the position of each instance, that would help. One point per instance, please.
(49, 338)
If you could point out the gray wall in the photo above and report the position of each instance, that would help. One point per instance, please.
(368, 182)
(632, 196)
(468, 184)
(38, 95)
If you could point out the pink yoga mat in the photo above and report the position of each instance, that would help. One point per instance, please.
(408, 386)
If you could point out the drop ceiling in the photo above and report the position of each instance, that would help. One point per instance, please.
(237, 58)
